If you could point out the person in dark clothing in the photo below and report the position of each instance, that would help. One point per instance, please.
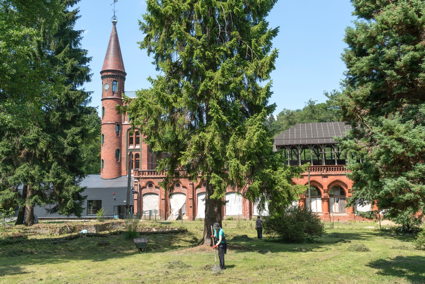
(259, 227)
(221, 243)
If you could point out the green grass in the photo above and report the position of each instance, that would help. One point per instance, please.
(177, 259)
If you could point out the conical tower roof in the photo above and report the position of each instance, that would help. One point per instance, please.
(113, 58)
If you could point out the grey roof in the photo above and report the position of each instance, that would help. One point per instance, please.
(95, 181)
(312, 133)
(131, 94)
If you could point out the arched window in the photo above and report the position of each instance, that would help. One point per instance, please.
(130, 140)
(315, 201)
(337, 200)
(137, 161)
(103, 111)
(117, 154)
(102, 138)
(118, 129)
(114, 86)
(102, 164)
(137, 138)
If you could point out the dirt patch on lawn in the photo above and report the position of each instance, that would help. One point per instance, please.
(176, 264)
(197, 249)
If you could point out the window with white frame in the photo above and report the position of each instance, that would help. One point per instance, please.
(315, 201)
(337, 200)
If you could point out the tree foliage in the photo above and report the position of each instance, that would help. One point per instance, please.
(328, 111)
(208, 108)
(384, 101)
(42, 159)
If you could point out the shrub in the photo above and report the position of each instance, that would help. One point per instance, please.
(131, 224)
(420, 241)
(100, 215)
(294, 224)
(229, 218)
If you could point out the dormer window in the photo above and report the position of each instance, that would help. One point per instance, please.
(114, 86)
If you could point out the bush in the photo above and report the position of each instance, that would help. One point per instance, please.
(229, 218)
(131, 224)
(295, 225)
(420, 241)
(100, 215)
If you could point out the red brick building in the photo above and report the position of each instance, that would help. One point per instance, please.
(330, 186)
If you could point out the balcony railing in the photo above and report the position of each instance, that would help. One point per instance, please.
(314, 170)
(325, 170)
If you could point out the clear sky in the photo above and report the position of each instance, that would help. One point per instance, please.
(310, 43)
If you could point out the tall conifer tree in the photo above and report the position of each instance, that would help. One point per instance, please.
(45, 154)
(208, 109)
(384, 99)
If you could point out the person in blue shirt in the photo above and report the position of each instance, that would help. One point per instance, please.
(221, 243)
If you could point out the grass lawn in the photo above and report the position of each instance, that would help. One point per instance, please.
(176, 259)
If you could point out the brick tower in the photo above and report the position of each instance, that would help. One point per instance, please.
(113, 78)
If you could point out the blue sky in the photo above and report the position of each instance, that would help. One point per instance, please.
(310, 43)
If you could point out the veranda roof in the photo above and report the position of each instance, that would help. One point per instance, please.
(312, 134)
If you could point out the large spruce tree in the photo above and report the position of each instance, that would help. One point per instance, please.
(207, 109)
(384, 99)
(44, 154)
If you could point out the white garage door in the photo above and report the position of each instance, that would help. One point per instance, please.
(177, 200)
(362, 208)
(258, 212)
(233, 204)
(201, 206)
(150, 202)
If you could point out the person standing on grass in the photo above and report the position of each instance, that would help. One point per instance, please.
(221, 243)
(259, 227)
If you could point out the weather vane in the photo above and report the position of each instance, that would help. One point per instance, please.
(114, 18)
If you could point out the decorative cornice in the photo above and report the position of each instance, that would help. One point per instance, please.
(113, 76)
(112, 98)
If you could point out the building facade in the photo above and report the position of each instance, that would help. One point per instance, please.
(304, 143)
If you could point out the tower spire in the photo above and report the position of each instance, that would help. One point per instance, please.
(113, 59)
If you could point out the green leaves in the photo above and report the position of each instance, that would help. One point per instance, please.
(207, 111)
(384, 99)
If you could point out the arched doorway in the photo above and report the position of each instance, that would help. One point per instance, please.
(233, 204)
(337, 200)
(261, 212)
(316, 200)
(177, 202)
(200, 205)
(150, 204)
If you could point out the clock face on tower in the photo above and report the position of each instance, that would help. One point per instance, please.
(106, 86)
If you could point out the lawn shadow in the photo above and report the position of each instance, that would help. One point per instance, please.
(408, 267)
(275, 246)
(14, 257)
(11, 270)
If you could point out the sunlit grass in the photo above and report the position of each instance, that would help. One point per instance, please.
(329, 260)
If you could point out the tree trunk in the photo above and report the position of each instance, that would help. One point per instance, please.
(212, 213)
(29, 208)
(20, 219)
